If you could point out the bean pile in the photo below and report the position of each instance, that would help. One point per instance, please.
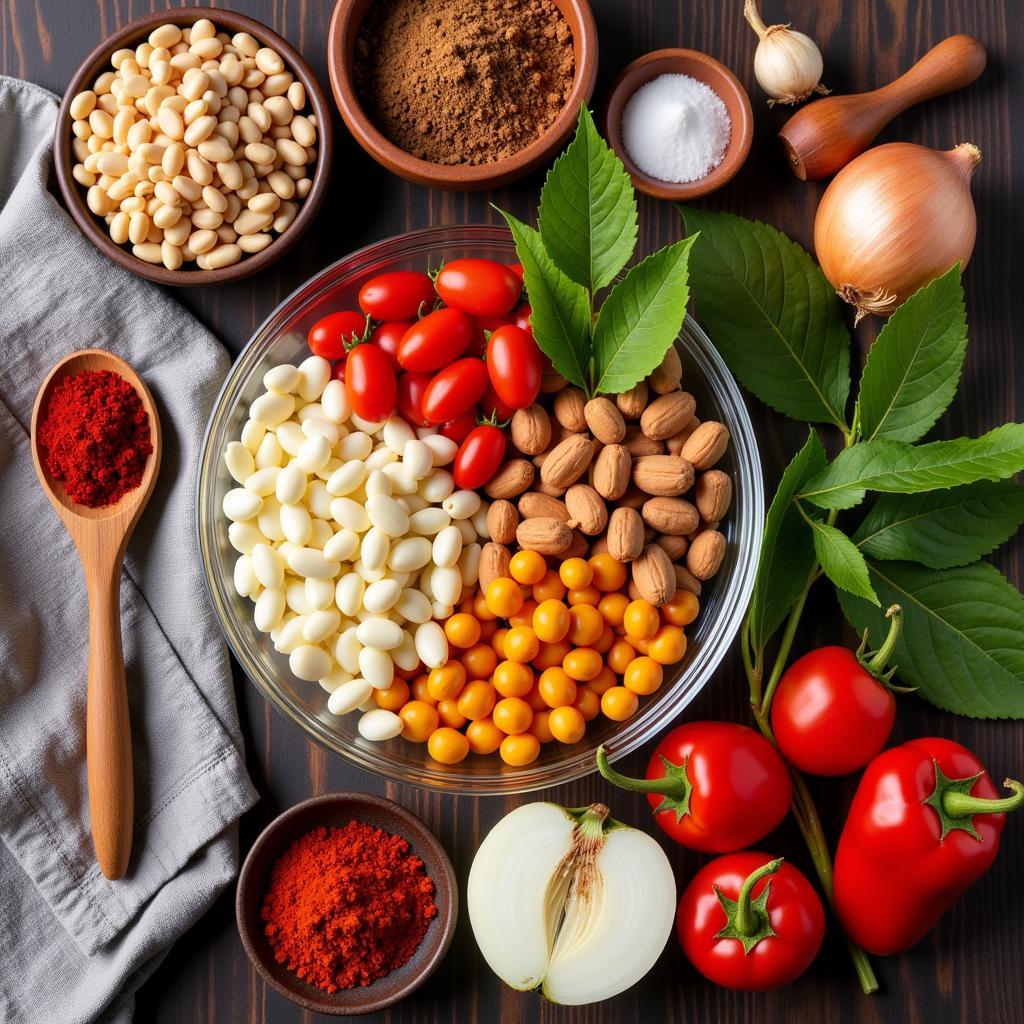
(196, 147)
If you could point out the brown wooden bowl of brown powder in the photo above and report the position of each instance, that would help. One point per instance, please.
(462, 94)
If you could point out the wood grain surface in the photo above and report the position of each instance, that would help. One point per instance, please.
(968, 969)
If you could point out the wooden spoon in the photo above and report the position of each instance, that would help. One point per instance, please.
(101, 536)
(828, 133)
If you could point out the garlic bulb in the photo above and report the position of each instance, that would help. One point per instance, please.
(893, 219)
(787, 64)
(571, 902)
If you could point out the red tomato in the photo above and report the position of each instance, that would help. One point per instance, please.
(328, 336)
(492, 323)
(370, 382)
(455, 390)
(435, 341)
(521, 317)
(749, 922)
(831, 714)
(411, 387)
(515, 366)
(458, 429)
(517, 269)
(713, 786)
(479, 457)
(479, 287)
(398, 295)
(388, 336)
(338, 373)
(494, 408)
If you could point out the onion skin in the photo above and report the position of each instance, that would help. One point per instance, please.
(894, 219)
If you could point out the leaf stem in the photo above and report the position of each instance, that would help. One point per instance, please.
(804, 811)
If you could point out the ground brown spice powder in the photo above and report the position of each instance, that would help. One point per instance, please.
(463, 81)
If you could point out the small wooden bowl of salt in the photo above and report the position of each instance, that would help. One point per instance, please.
(681, 123)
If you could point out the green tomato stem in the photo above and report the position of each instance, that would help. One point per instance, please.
(748, 920)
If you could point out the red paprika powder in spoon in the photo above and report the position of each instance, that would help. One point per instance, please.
(346, 906)
(95, 433)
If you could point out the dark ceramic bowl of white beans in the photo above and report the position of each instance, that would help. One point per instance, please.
(75, 191)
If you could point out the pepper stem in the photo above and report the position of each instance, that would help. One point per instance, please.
(961, 805)
(674, 786)
(747, 919)
(879, 660)
(952, 801)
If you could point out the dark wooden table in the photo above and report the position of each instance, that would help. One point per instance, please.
(969, 968)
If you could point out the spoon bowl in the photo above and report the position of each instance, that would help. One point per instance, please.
(101, 536)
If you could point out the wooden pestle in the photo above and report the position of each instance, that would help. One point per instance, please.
(828, 133)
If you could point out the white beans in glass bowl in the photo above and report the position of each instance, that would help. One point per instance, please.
(194, 146)
(352, 540)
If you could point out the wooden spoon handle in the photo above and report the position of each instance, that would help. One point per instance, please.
(108, 733)
(955, 62)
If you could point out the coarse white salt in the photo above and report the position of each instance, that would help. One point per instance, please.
(676, 128)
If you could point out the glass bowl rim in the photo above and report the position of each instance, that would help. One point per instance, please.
(633, 733)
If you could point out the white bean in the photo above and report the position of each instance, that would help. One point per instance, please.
(269, 608)
(310, 562)
(447, 547)
(342, 546)
(387, 515)
(243, 537)
(431, 644)
(347, 512)
(296, 524)
(346, 478)
(320, 624)
(240, 505)
(381, 634)
(447, 585)
(291, 484)
(376, 667)
(314, 373)
(349, 696)
(244, 578)
(309, 662)
(410, 554)
(348, 594)
(239, 461)
(381, 596)
(461, 504)
(263, 481)
(320, 594)
(380, 725)
(413, 606)
(469, 564)
(270, 409)
(283, 379)
(373, 551)
(438, 486)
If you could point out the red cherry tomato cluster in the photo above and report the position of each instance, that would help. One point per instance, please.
(456, 352)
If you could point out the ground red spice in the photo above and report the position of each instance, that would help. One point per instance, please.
(95, 433)
(347, 905)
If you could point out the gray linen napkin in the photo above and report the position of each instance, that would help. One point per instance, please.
(76, 946)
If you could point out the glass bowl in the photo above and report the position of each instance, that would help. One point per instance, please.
(282, 338)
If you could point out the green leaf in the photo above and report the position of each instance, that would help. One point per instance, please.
(773, 316)
(843, 563)
(588, 209)
(913, 368)
(640, 319)
(561, 309)
(942, 529)
(962, 645)
(787, 552)
(893, 466)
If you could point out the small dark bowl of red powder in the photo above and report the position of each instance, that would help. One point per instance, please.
(346, 903)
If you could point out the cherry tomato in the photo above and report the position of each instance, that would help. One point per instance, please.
(436, 340)
(750, 922)
(458, 429)
(521, 317)
(327, 337)
(832, 714)
(338, 373)
(713, 786)
(454, 390)
(515, 366)
(388, 336)
(479, 457)
(480, 287)
(517, 269)
(398, 295)
(494, 408)
(370, 382)
(409, 400)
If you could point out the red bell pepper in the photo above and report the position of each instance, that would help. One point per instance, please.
(713, 786)
(923, 827)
